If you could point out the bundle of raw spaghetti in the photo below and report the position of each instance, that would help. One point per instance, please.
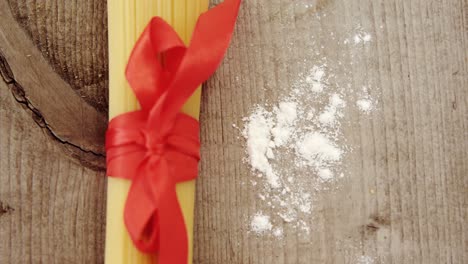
(127, 19)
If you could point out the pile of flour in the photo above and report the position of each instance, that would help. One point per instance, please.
(295, 150)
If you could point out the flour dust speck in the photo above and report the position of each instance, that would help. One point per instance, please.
(260, 223)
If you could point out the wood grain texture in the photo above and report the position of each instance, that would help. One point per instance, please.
(405, 199)
(52, 207)
(72, 36)
(52, 183)
(69, 118)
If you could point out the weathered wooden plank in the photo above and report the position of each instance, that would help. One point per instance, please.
(52, 208)
(405, 198)
(52, 184)
(72, 36)
(62, 111)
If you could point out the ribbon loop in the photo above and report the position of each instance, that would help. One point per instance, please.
(157, 147)
(145, 73)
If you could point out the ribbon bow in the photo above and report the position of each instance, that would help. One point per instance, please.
(157, 146)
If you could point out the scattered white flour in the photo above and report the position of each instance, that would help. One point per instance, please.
(286, 114)
(325, 174)
(296, 148)
(362, 37)
(260, 223)
(357, 39)
(278, 232)
(318, 150)
(332, 111)
(259, 143)
(315, 79)
(365, 260)
(365, 105)
(367, 37)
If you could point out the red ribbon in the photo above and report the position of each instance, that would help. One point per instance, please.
(158, 146)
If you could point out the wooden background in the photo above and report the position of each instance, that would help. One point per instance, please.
(412, 152)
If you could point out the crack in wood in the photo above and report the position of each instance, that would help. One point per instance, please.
(5, 209)
(19, 94)
(72, 65)
(5, 70)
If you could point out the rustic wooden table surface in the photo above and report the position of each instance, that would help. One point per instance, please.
(406, 200)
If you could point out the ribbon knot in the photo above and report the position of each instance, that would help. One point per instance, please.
(157, 147)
